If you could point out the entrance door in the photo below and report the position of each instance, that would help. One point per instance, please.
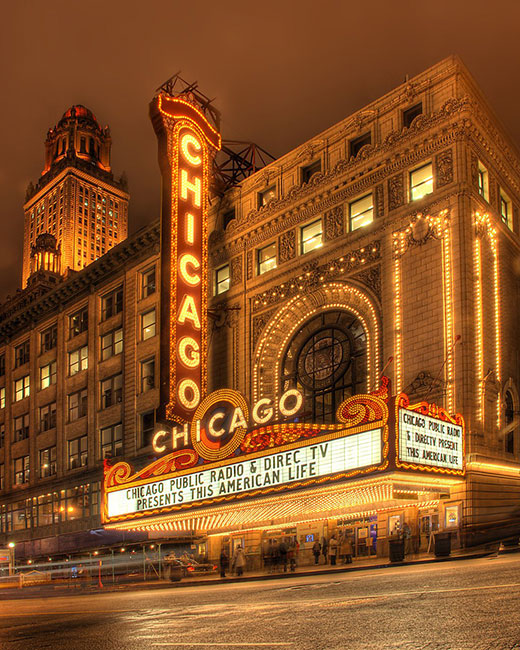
(428, 524)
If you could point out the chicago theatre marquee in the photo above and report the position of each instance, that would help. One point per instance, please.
(347, 346)
(322, 345)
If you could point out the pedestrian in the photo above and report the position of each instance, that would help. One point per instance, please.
(283, 550)
(224, 562)
(324, 549)
(345, 549)
(275, 556)
(294, 548)
(239, 560)
(316, 550)
(333, 550)
(267, 556)
(407, 535)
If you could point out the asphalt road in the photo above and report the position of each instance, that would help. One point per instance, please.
(465, 605)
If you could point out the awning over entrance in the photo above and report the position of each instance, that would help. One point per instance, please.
(361, 498)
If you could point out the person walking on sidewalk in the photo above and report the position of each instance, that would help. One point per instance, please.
(239, 560)
(283, 550)
(294, 547)
(346, 549)
(324, 549)
(316, 550)
(333, 550)
(224, 562)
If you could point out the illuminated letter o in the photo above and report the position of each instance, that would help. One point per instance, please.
(299, 401)
(185, 386)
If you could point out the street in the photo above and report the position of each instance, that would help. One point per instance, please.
(464, 605)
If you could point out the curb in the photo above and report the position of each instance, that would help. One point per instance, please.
(67, 592)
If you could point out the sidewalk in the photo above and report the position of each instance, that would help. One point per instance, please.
(322, 569)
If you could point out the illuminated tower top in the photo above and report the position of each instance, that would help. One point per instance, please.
(76, 199)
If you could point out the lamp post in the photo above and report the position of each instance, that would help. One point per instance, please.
(11, 546)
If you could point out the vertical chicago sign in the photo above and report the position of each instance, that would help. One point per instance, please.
(187, 142)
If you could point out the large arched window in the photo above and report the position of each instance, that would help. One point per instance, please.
(326, 360)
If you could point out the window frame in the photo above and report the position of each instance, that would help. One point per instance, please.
(75, 329)
(360, 214)
(261, 201)
(22, 353)
(24, 390)
(356, 144)
(264, 265)
(504, 200)
(144, 379)
(143, 327)
(81, 406)
(412, 187)
(49, 338)
(49, 422)
(82, 361)
(113, 344)
(24, 470)
(145, 286)
(115, 448)
(142, 430)
(483, 174)
(52, 462)
(52, 374)
(113, 394)
(112, 303)
(303, 241)
(218, 282)
(24, 431)
(409, 114)
(308, 171)
(82, 453)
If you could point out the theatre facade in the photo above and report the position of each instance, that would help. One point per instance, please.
(329, 347)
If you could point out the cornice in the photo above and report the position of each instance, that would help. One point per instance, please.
(320, 193)
(29, 307)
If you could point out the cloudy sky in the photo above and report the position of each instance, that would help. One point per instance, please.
(281, 71)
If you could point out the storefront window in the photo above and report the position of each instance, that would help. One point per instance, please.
(394, 525)
(326, 361)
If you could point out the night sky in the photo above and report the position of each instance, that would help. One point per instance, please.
(281, 72)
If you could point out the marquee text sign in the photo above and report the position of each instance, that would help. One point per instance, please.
(305, 463)
(429, 438)
(186, 144)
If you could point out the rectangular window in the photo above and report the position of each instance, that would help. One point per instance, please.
(111, 391)
(148, 325)
(421, 182)
(483, 182)
(2, 477)
(47, 375)
(21, 354)
(146, 427)
(2, 365)
(311, 236)
(148, 282)
(308, 172)
(506, 210)
(78, 360)
(47, 462)
(78, 453)
(2, 435)
(2, 397)
(48, 416)
(228, 217)
(112, 303)
(21, 427)
(361, 212)
(410, 114)
(147, 375)
(111, 439)
(111, 344)
(21, 388)
(77, 405)
(78, 322)
(21, 470)
(222, 280)
(357, 144)
(266, 259)
(267, 195)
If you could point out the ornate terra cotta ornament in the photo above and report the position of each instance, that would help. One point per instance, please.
(287, 246)
(334, 223)
(236, 270)
(395, 192)
(444, 168)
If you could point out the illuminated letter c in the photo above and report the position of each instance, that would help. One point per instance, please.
(190, 278)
